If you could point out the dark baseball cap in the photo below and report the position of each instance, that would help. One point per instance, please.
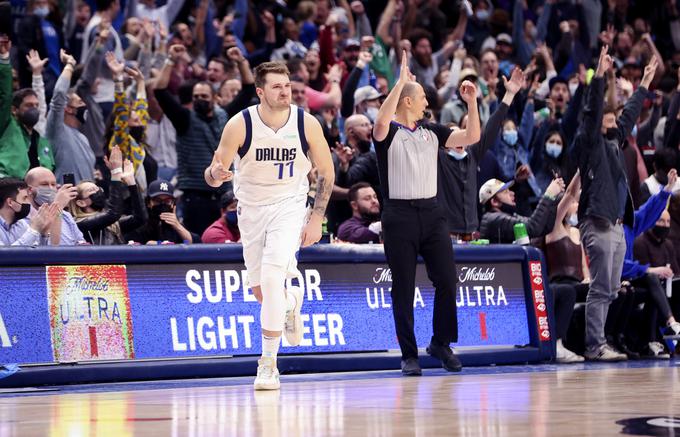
(161, 187)
(557, 79)
(226, 199)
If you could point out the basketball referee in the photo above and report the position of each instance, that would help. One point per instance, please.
(412, 222)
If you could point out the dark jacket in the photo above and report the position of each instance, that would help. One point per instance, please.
(362, 168)
(498, 226)
(198, 136)
(96, 228)
(457, 189)
(601, 163)
(30, 36)
(159, 231)
(649, 250)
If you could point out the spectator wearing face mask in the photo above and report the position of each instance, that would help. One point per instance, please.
(360, 100)
(130, 120)
(21, 146)
(163, 226)
(15, 228)
(198, 132)
(512, 151)
(551, 158)
(647, 277)
(605, 204)
(225, 229)
(655, 249)
(42, 190)
(458, 169)
(72, 151)
(102, 220)
(500, 217)
(364, 226)
(37, 31)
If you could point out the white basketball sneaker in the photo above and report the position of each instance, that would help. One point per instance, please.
(293, 326)
(267, 375)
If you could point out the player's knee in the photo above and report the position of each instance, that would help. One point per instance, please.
(273, 277)
(273, 311)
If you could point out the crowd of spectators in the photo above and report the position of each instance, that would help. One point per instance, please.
(110, 110)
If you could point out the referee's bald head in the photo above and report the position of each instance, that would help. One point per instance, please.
(411, 89)
(413, 100)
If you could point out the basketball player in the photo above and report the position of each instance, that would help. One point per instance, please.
(273, 146)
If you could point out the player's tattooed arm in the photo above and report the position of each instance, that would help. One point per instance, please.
(320, 155)
(323, 195)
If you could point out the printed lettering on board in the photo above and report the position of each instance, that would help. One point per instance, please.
(89, 309)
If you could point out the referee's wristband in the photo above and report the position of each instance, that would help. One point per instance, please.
(116, 171)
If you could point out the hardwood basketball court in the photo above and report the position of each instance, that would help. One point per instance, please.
(547, 400)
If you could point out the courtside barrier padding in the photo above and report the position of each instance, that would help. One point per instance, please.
(103, 313)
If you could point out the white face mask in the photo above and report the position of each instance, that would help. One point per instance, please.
(634, 132)
(457, 156)
(573, 87)
(42, 12)
(372, 113)
(572, 220)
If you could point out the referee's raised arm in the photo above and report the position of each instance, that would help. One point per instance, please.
(389, 106)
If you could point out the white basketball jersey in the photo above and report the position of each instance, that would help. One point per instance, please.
(272, 166)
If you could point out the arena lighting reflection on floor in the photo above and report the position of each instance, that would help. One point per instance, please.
(382, 406)
(566, 400)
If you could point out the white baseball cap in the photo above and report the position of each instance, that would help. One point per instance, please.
(491, 188)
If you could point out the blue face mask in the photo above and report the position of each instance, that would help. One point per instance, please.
(42, 12)
(634, 132)
(553, 149)
(231, 218)
(457, 156)
(510, 137)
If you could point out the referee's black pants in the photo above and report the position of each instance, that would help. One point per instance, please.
(411, 228)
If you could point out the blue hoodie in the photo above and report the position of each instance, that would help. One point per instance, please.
(645, 218)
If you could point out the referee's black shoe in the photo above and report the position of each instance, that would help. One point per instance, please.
(410, 367)
(444, 353)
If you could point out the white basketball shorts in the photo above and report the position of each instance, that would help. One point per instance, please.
(270, 234)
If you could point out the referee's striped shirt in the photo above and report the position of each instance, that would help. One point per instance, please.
(407, 160)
